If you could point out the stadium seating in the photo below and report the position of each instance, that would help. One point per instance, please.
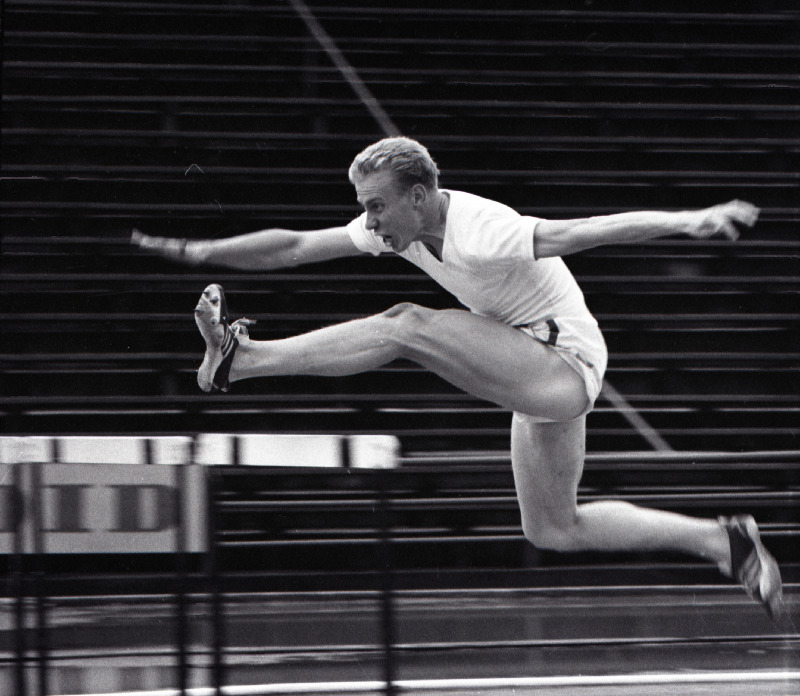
(127, 114)
(118, 115)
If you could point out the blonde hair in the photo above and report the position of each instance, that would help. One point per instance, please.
(410, 162)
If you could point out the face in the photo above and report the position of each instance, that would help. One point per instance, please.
(392, 215)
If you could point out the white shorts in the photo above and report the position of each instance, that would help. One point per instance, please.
(578, 342)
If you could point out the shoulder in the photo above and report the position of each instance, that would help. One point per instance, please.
(470, 206)
(488, 230)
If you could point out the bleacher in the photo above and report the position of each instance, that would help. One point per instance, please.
(131, 114)
(458, 522)
(207, 119)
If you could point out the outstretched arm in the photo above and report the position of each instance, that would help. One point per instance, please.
(255, 251)
(562, 237)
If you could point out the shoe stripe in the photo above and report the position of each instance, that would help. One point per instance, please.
(220, 380)
(751, 564)
(227, 342)
(741, 547)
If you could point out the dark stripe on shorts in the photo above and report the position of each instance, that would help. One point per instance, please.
(553, 337)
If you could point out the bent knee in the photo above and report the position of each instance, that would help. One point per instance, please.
(404, 311)
(548, 536)
(407, 320)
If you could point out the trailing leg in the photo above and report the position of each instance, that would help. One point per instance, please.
(548, 463)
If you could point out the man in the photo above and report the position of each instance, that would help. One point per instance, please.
(527, 343)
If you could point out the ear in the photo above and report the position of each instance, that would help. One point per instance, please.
(418, 194)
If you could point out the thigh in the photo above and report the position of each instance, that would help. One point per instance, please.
(547, 459)
(496, 362)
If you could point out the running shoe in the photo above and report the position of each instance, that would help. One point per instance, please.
(222, 339)
(752, 565)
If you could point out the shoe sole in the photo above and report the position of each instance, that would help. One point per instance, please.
(210, 315)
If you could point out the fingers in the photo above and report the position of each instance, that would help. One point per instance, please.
(745, 213)
(728, 230)
(742, 215)
(168, 247)
(728, 219)
(144, 241)
(136, 237)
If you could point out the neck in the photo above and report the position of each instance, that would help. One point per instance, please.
(436, 222)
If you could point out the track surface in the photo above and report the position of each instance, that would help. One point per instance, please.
(598, 642)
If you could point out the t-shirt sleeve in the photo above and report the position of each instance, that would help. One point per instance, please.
(505, 238)
(364, 239)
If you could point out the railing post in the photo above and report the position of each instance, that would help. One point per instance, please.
(18, 579)
(214, 583)
(37, 520)
(181, 632)
(386, 581)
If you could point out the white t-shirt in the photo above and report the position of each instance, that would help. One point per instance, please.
(489, 265)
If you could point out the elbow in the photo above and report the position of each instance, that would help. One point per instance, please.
(279, 249)
(290, 256)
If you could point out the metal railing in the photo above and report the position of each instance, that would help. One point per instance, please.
(32, 587)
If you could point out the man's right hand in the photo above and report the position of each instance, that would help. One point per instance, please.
(171, 248)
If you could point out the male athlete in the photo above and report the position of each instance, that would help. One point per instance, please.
(527, 341)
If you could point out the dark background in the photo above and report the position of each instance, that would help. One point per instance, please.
(211, 118)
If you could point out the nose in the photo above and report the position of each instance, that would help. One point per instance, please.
(372, 223)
